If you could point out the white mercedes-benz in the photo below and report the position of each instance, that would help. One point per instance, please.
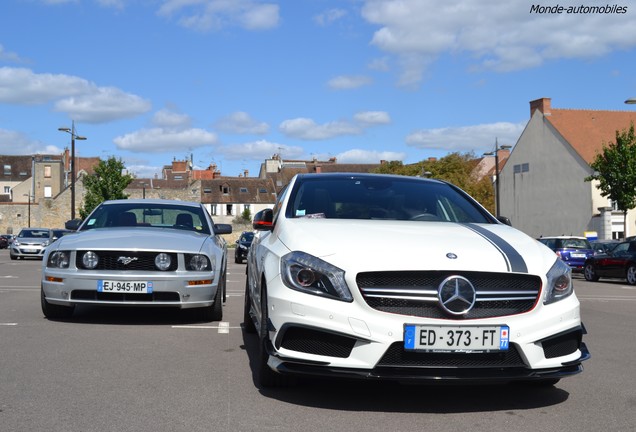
(403, 278)
(139, 253)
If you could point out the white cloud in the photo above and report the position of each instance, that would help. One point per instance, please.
(346, 82)
(477, 138)
(208, 15)
(166, 118)
(16, 143)
(499, 34)
(80, 99)
(102, 105)
(162, 140)
(307, 129)
(329, 17)
(369, 156)
(241, 123)
(9, 56)
(372, 118)
(259, 150)
(23, 87)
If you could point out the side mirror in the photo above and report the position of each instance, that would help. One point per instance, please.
(222, 229)
(263, 220)
(73, 224)
(504, 220)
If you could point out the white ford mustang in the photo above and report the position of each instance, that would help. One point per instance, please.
(138, 253)
(403, 278)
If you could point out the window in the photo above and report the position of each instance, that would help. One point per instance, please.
(7, 189)
(47, 171)
(207, 190)
(7, 170)
(243, 190)
(213, 209)
(262, 190)
(225, 189)
(47, 192)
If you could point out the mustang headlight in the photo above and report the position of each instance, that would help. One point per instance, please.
(163, 261)
(90, 260)
(311, 275)
(58, 259)
(559, 282)
(197, 262)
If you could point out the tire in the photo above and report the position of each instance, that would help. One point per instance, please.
(214, 312)
(55, 312)
(237, 260)
(590, 273)
(631, 274)
(13, 257)
(248, 322)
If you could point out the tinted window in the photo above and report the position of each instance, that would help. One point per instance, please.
(387, 198)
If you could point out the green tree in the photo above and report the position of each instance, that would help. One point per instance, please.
(107, 183)
(615, 170)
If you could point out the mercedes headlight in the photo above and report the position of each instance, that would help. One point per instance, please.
(559, 282)
(306, 273)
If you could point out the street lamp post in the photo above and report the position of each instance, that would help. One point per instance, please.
(28, 207)
(496, 155)
(73, 138)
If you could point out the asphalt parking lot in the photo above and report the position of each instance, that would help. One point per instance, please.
(113, 369)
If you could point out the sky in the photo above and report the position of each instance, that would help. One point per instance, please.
(233, 82)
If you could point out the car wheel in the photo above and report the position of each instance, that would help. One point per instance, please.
(215, 311)
(53, 311)
(237, 260)
(631, 275)
(248, 322)
(590, 273)
(266, 376)
(13, 257)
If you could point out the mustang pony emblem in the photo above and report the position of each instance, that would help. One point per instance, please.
(126, 260)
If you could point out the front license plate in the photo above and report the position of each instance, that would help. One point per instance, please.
(467, 339)
(139, 287)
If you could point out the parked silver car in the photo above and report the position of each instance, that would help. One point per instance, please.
(139, 253)
(30, 243)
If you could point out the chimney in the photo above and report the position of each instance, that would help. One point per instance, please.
(246, 173)
(318, 169)
(542, 105)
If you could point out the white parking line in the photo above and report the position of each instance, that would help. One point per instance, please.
(223, 327)
(8, 324)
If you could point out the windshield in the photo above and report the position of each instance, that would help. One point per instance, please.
(142, 215)
(34, 233)
(382, 197)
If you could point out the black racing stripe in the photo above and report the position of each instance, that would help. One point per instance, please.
(513, 259)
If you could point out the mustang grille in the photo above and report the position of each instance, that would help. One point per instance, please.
(415, 293)
(126, 260)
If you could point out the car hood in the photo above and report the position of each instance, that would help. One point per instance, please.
(368, 245)
(169, 240)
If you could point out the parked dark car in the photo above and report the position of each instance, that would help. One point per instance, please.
(620, 263)
(9, 238)
(4, 242)
(243, 246)
(603, 246)
(571, 249)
